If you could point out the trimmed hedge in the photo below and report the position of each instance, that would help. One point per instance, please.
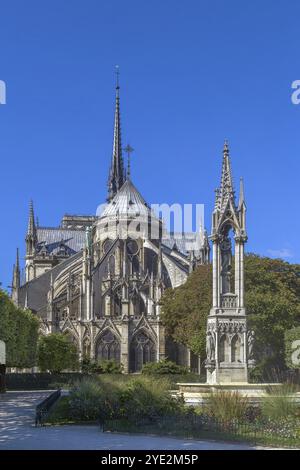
(19, 330)
(41, 381)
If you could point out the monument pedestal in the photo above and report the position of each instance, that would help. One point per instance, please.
(226, 373)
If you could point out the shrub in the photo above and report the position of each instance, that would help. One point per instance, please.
(93, 399)
(85, 400)
(145, 398)
(226, 406)
(279, 403)
(134, 400)
(110, 366)
(56, 353)
(90, 367)
(163, 367)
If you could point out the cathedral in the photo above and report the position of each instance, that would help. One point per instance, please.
(99, 278)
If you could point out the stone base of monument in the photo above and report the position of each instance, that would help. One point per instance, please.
(198, 393)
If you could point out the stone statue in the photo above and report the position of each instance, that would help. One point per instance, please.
(88, 239)
(226, 262)
(250, 341)
(210, 347)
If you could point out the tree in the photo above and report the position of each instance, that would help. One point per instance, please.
(272, 292)
(185, 310)
(57, 353)
(19, 330)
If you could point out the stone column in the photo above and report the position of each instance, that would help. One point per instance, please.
(215, 275)
(93, 345)
(125, 345)
(237, 269)
(189, 359)
(242, 287)
(161, 342)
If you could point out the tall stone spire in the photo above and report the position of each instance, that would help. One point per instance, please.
(117, 173)
(16, 280)
(31, 236)
(226, 189)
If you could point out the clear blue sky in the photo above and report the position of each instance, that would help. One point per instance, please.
(192, 74)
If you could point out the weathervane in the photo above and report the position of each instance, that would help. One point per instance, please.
(128, 149)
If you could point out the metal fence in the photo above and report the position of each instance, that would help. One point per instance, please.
(43, 408)
(192, 426)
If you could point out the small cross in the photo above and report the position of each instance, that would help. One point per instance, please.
(128, 149)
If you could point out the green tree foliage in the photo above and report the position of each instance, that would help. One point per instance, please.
(272, 293)
(185, 310)
(292, 348)
(19, 330)
(57, 353)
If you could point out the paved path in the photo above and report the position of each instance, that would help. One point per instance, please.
(18, 432)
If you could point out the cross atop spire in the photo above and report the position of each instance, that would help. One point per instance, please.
(128, 149)
(116, 174)
(226, 189)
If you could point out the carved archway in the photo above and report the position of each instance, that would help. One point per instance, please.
(223, 349)
(236, 349)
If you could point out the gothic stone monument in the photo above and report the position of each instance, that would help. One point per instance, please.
(228, 343)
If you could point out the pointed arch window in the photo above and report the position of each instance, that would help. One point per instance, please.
(108, 347)
(142, 350)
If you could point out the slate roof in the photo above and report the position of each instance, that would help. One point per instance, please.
(184, 243)
(128, 202)
(74, 240)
